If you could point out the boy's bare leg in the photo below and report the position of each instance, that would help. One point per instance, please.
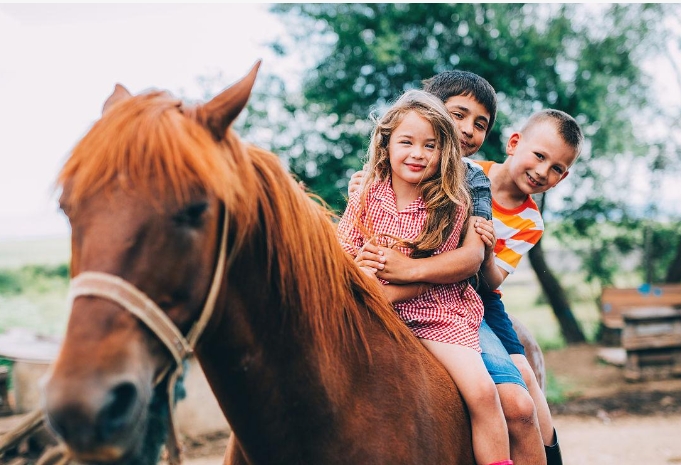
(542, 406)
(523, 427)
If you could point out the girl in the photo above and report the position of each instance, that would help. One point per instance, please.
(415, 198)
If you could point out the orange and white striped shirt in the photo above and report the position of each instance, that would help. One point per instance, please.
(517, 229)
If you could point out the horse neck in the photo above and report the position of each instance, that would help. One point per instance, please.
(266, 373)
(287, 403)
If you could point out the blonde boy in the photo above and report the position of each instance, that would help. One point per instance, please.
(538, 158)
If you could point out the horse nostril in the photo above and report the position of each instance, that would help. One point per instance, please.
(118, 410)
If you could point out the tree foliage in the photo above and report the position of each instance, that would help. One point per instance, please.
(584, 59)
(534, 55)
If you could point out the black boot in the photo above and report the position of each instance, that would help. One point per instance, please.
(553, 456)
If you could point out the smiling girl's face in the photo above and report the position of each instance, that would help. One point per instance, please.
(413, 149)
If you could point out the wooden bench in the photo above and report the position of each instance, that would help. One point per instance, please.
(652, 340)
(646, 322)
(614, 302)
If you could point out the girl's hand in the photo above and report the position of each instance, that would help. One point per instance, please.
(389, 264)
(397, 267)
(485, 228)
(370, 256)
(370, 272)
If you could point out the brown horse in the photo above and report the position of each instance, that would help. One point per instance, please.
(186, 238)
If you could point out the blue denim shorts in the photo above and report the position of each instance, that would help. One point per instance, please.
(500, 323)
(497, 360)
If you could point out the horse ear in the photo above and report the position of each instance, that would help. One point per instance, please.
(220, 112)
(119, 93)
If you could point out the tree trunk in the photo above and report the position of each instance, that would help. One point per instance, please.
(674, 270)
(569, 326)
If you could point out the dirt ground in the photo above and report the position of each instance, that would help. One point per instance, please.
(605, 421)
(608, 420)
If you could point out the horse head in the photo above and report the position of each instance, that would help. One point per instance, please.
(144, 196)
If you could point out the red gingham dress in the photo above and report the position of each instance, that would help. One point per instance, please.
(448, 313)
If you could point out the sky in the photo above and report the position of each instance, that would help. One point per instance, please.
(60, 62)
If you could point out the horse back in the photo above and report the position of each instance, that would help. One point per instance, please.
(412, 410)
(397, 407)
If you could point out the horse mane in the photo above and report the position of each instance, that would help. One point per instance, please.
(148, 143)
(316, 276)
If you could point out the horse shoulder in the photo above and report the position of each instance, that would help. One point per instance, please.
(533, 352)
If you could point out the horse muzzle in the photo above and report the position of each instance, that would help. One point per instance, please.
(101, 422)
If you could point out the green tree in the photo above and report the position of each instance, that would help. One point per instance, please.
(583, 59)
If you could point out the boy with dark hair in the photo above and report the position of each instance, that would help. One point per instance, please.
(471, 101)
(450, 84)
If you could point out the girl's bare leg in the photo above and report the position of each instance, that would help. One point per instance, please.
(465, 366)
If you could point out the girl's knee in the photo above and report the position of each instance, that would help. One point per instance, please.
(485, 394)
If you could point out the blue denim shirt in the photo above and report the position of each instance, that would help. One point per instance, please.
(479, 186)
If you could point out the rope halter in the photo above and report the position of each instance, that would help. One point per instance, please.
(118, 290)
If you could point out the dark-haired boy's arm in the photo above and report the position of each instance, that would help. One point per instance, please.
(397, 292)
(445, 268)
(480, 189)
(401, 292)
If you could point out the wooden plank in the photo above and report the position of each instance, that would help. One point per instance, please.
(652, 342)
(28, 424)
(651, 313)
(652, 328)
(614, 302)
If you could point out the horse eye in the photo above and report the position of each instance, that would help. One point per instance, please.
(191, 215)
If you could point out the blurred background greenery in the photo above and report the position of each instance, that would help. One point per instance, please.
(613, 221)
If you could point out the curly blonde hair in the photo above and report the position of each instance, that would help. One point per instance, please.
(443, 192)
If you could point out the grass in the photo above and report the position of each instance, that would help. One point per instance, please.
(34, 284)
(43, 313)
(555, 390)
(523, 298)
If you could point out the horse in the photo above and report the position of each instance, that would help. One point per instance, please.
(188, 241)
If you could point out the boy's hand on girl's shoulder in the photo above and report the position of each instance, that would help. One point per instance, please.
(356, 180)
